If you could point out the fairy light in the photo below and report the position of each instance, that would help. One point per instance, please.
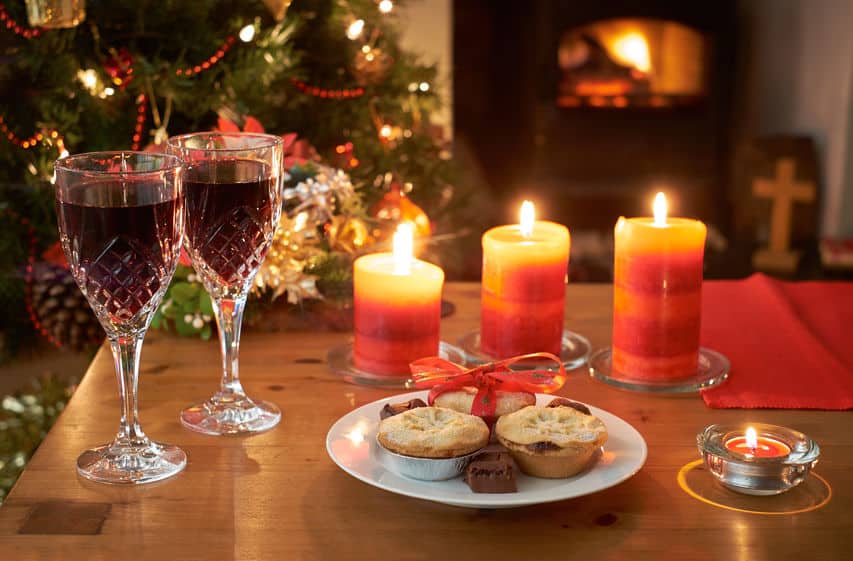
(385, 6)
(424, 87)
(354, 30)
(413, 87)
(89, 79)
(247, 33)
(385, 131)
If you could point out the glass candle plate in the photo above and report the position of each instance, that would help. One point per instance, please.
(757, 475)
(712, 370)
(574, 350)
(340, 362)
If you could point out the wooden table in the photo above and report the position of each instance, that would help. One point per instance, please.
(278, 495)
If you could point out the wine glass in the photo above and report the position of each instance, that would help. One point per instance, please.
(120, 220)
(233, 203)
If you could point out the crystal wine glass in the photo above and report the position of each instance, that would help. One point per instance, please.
(233, 202)
(120, 220)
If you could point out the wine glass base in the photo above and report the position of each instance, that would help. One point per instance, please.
(237, 415)
(131, 465)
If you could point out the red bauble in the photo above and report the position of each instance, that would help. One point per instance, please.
(119, 67)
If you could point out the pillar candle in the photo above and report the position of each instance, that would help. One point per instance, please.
(657, 296)
(397, 309)
(524, 287)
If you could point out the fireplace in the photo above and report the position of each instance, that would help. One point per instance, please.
(589, 108)
(632, 62)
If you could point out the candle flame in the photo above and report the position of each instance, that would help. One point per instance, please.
(751, 438)
(660, 209)
(527, 216)
(403, 248)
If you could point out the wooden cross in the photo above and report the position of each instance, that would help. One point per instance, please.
(784, 192)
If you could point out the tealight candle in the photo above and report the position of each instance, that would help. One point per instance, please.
(657, 296)
(397, 308)
(757, 460)
(524, 286)
(753, 446)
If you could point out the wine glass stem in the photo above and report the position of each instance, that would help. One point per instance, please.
(229, 319)
(126, 352)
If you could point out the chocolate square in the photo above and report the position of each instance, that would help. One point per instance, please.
(491, 472)
(392, 409)
(564, 402)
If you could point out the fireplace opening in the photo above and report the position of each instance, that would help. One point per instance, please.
(589, 108)
(632, 62)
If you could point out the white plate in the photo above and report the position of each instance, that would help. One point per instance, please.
(351, 443)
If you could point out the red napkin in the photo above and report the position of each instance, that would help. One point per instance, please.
(790, 344)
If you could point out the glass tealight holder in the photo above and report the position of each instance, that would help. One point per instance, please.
(752, 474)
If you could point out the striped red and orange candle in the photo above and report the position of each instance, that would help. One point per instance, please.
(657, 296)
(397, 308)
(524, 286)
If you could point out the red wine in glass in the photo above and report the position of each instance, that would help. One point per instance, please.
(122, 256)
(229, 207)
(120, 218)
(233, 203)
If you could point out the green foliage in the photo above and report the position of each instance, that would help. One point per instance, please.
(186, 309)
(24, 422)
(41, 89)
(157, 37)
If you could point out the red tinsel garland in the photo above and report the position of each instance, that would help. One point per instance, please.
(191, 70)
(19, 30)
(324, 93)
(28, 276)
(140, 121)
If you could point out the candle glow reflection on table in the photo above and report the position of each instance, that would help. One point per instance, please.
(657, 295)
(524, 286)
(397, 308)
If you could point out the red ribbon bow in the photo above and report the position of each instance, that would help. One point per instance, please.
(443, 376)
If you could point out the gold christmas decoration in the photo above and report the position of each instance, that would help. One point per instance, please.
(278, 8)
(319, 210)
(56, 14)
(348, 234)
(371, 65)
(294, 245)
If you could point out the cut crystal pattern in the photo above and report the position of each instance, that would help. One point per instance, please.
(123, 279)
(235, 246)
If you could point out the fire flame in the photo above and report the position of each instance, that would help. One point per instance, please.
(403, 248)
(751, 438)
(632, 48)
(527, 216)
(660, 209)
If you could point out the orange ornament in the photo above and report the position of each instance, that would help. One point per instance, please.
(395, 207)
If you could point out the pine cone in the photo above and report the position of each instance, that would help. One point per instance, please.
(62, 309)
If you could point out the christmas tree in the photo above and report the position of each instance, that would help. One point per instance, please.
(81, 76)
